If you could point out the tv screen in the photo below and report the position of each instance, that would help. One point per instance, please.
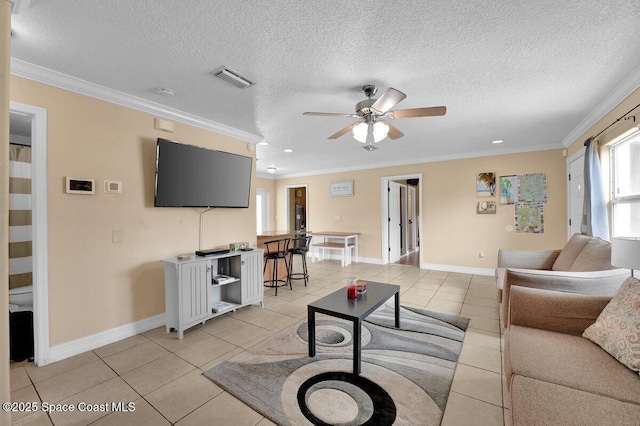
(189, 176)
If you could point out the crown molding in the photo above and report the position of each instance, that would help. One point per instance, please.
(465, 156)
(617, 95)
(50, 77)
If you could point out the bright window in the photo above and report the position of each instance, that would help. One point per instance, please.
(625, 186)
(261, 211)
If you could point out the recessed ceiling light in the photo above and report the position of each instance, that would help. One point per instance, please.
(271, 169)
(165, 92)
(498, 141)
(263, 143)
(288, 150)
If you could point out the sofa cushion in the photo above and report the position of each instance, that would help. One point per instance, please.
(570, 361)
(500, 272)
(570, 252)
(535, 402)
(617, 329)
(595, 256)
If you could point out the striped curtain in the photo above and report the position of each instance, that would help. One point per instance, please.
(20, 231)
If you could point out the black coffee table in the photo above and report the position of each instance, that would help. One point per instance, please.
(337, 304)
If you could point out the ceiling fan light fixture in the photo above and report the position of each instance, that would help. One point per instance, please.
(380, 131)
(360, 132)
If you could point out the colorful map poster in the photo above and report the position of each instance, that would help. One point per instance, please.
(530, 217)
(508, 189)
(532, 188)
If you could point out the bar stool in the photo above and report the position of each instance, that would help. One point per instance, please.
(300, 247)
(276, 250)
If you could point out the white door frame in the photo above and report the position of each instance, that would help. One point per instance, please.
(286, 205)
(404, 217)
(39, 229)
(570, 160)
(411, 207)
(266, 218)
(384, 211)
(394, 221)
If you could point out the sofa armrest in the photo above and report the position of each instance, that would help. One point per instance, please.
(600, 283)
(527, 259)
(567, 313)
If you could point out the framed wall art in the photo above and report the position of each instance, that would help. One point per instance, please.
(486, 207)
(341, 188)
(486, 184)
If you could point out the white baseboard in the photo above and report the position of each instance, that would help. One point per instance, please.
(332, 256)
(84, 344)
(458, 269)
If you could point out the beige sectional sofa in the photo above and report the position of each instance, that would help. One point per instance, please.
(556, 376)
(582, 266)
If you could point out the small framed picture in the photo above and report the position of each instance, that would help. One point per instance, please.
(486, 207)
(341, 188)
(486, 184)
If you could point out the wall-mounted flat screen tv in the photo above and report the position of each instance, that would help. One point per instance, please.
(190, 176)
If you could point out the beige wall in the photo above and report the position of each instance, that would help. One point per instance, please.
(451, 231)
(94, 284)
(5, 52)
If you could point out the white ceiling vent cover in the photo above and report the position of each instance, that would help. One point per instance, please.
(232, 77)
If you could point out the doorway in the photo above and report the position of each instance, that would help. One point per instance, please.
(262, 211)
(400, 219)
(297, 203)
(35, 120)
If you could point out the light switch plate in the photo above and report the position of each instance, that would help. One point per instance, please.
(117, 236)
(112, 187)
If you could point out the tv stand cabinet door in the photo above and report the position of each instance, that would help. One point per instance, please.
(251, 277)
(194, 293)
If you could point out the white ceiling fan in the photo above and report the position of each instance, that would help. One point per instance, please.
(374, 114)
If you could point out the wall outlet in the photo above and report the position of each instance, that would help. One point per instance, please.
(117, 236)
(336, 217)
(164, 125)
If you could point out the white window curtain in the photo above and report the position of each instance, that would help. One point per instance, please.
(595, 220)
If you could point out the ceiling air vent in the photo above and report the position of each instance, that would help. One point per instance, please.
(232, 77)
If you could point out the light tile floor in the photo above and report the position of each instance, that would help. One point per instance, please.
(163, 375)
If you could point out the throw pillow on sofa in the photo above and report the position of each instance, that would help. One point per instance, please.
(617, 329)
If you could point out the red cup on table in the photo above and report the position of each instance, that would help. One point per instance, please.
(352, 291)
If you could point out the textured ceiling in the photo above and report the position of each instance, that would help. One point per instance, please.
(527, 72)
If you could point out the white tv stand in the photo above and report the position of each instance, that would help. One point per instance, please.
(192, 297)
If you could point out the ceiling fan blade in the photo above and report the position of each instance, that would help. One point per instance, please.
(388, 100)
(330, 114)
(394, 132)
(343, 131)
(418, 112)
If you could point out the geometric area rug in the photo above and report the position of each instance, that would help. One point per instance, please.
(406, 373)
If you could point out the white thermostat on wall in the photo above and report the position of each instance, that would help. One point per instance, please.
(112, 187)
(80, 186)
